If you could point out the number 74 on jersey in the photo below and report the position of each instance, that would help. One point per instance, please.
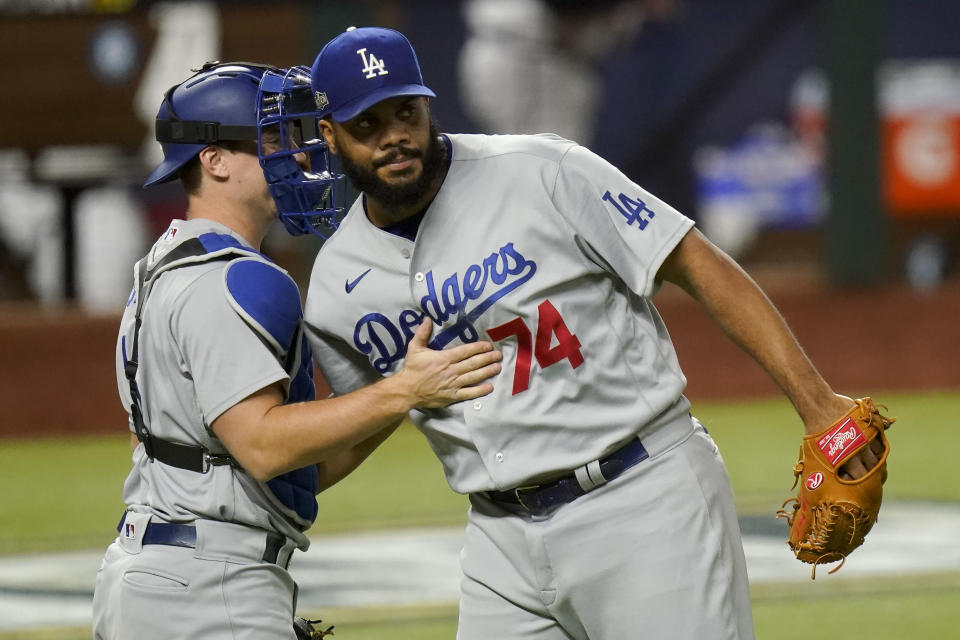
(532, 345)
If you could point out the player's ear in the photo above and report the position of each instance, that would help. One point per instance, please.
(213, 161)
(326, 130)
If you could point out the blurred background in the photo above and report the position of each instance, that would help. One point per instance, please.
(816, 141)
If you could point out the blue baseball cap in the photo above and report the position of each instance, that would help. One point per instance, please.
(362, 67)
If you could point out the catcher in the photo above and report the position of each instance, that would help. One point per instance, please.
(842, 468)
(230, 446)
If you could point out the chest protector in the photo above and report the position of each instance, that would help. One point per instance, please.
(276, 318)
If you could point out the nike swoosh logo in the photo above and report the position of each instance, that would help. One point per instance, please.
(349, 286)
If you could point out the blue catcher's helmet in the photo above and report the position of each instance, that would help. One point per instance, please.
(308, 200)
(217, 104)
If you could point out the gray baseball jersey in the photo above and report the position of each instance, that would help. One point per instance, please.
(198, 358)
(546, 249)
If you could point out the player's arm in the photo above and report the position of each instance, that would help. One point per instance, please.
(269, 438)
(336, 468)
(742, 310)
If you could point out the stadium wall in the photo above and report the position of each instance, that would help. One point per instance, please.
(57, 376)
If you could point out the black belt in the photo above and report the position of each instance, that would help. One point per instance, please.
(538, 499)
(185, 535)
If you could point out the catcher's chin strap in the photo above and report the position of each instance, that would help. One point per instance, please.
(175, 454)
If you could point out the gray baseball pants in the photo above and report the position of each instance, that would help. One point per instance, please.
(655, 553)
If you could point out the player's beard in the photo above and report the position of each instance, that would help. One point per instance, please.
(400, 197)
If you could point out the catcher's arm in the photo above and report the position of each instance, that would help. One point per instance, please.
(336, 468)
(747, 316)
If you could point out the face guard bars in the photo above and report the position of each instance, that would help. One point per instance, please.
(308, 200)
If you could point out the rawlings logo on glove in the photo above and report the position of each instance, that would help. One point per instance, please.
(841, 440)
(831, 515)
(814, 480)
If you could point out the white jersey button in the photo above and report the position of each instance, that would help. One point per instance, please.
(477, 405)
(405, 252)
(418, 276)
(499, 457)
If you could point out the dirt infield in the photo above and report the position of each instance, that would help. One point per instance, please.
(57, 375)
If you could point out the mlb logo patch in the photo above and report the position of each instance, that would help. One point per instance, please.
(129, 531)
(841, 440)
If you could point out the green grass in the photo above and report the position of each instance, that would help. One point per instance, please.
(852, 610)
(922, 607)
(760, 441)
(65, 494)
(400, 485)
(61, 494)
(427, 622)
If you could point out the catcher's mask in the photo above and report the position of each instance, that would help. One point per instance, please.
(308, 199)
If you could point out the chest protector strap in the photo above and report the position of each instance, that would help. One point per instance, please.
(189, 252)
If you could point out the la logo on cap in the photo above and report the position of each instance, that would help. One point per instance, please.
(372, 64)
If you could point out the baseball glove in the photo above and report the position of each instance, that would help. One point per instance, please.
(306, 631)
(831, 515)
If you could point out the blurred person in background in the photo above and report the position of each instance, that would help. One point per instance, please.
(530, 66)
(31, 234)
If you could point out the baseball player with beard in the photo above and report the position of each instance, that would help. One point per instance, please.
(599, 507)
(229, 446)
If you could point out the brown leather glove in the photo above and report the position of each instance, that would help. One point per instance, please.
(830, 516)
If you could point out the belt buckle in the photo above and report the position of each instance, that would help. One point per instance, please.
(516, 493)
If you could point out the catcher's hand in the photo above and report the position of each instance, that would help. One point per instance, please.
(306, 631)
(836, 506)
